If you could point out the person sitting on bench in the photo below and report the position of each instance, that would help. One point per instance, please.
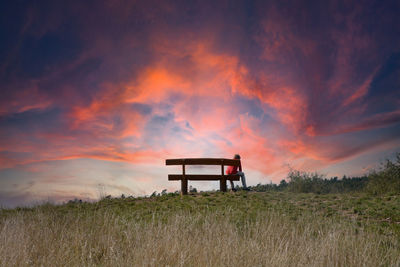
(234, 170)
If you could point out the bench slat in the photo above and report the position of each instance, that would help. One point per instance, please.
(203, 161)
(202, 177)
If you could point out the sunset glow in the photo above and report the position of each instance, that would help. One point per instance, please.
(96, 95)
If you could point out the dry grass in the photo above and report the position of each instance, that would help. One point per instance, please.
(218, 237)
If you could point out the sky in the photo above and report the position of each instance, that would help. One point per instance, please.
(95, 95)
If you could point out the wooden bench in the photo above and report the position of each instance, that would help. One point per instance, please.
(184, 178)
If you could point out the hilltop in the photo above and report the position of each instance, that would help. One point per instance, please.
(207, 229)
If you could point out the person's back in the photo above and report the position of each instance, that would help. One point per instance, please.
(234, 170)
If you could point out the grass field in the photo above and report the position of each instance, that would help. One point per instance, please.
(207, 229)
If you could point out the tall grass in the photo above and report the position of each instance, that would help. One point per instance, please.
(221, 237)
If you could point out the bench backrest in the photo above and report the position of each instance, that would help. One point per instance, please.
(203, 161)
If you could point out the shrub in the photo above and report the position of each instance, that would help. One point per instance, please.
(192, 189)
(386, 179)
(303, 182)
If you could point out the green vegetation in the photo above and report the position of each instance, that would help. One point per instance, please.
(385, 180)
(303, 182)
(207, 229)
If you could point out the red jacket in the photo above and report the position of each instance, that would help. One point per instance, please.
(233, 169)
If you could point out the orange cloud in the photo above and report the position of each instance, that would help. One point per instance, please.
(198, 84)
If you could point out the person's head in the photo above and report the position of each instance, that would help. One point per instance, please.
(237, 156)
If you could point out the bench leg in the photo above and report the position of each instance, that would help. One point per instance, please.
(184, 187)
(222, 185)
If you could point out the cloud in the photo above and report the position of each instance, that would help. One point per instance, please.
(137, 82)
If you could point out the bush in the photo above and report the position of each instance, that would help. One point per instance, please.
(386, 179)
(192, 189)
(303, 182)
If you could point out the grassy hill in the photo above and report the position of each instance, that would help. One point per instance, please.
(207, 229)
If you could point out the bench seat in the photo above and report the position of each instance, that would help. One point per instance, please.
(202, 177)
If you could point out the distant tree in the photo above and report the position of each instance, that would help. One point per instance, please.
(192, 189)
(386, 179)
(283, 184)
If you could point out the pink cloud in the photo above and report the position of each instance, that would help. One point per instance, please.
(301, 88)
